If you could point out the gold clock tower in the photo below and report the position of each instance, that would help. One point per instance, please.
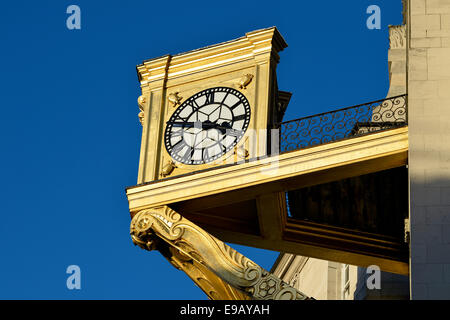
(210, 107)
(201, 110)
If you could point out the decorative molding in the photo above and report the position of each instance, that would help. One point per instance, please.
(168, 168)
(174, 98)
(254, 44)
(141, 103)
(241, 152)
(397, 37)
(294, 279)
(153, 72)
(245, 81)
(151, 227)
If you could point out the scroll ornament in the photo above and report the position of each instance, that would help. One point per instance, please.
(141, 104)
(152, 226)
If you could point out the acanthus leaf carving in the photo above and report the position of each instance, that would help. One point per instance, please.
(193, 242)
(397, 37)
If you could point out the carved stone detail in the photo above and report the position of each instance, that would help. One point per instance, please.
(245, 81)
(141, 104)
(174, 98)
(214, 287)
(168, 168)
(152, 226)
(397, 37)
(241, 152)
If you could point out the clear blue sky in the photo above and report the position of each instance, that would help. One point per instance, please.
(70, 134)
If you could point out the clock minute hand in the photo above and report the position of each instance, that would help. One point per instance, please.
(202, 125)
(188, 124)
(205, 125)
(215, 125)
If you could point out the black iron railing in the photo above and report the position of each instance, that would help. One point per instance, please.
(343, 123)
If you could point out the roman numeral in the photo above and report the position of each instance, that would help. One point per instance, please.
(175, 134)
(193, 104)
(187, 157)
(209, 98)
(205, 154)
(236, 105)
(178, 118)
(223, 147)
(233, 133)
(177, 147)
(240, 117)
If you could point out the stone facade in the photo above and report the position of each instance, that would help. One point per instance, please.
(327, 280)
(429, 152)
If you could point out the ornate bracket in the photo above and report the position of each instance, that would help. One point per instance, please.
(245, 80)
(141, 104)
(168, 168)
(219, 270)
(174, 98)
(241, 152)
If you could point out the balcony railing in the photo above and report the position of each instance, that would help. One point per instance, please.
(344, 123)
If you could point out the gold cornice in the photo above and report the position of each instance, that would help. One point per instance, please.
(253, 45)
(153, 70)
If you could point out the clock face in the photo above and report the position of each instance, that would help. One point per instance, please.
(207, 125)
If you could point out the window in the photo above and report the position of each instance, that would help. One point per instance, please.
(346, 282)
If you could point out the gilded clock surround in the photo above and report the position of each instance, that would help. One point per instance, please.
(247, 64)
(232, 80)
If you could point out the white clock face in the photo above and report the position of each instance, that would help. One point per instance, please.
(207, 125)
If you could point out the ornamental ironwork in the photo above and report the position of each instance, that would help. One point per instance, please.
(343, 123)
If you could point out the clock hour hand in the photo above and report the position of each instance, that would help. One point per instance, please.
(181, 124)
(225, 127)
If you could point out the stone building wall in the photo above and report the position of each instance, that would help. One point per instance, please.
(428, 57)
(327, 280)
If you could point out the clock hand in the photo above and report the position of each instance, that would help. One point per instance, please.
(226, 127)
(181, 124)
(203, 125)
